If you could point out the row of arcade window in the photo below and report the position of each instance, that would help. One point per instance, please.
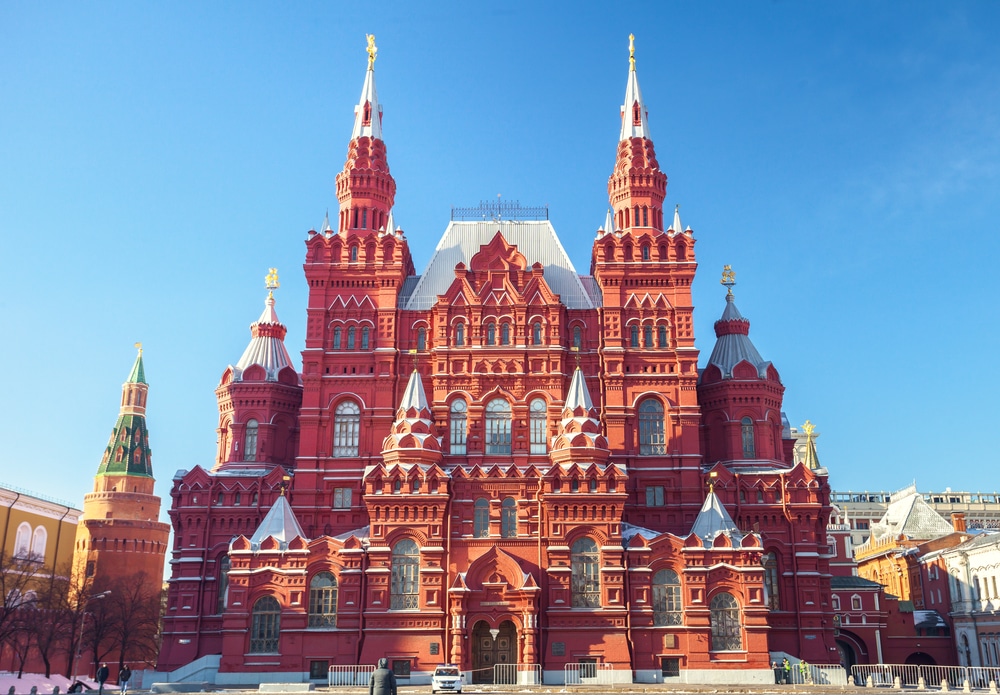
(647, 336)
(585, 588)
(498, 425)
(352, 338)
(492, 335)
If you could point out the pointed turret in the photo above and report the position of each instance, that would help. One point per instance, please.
(733, 345)
(676, 227)
(637, 187)
(365, 188)
(580, 439)
(128, 452)
(267, 341)
(713, 519)
(811, 459)
(279, 523)
(413, 438)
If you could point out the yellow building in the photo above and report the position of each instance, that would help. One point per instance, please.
(32, 525)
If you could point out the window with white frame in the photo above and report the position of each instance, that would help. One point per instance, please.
(346, 429)
(457, 427)
(538, 420)
(498, 418)
(666, 598)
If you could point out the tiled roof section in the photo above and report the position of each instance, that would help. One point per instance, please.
(852, 583)
(733, 345)
(910, 515)
(536, 240)
(138, 374)
(712, 520)
(593, 289)
(280, 523)
(127, 452)
(629, 532)
(267, 345)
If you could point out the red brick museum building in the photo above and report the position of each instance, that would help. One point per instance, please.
(500, 460)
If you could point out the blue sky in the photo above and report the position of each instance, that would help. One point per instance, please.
(157, 158)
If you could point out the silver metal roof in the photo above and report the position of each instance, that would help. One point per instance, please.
(535, 240)
(909, 514)
(712, 520)
(732, 348)
(280, 522)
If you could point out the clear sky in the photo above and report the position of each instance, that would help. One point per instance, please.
(157, 158)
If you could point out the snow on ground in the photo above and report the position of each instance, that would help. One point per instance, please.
(23, 685)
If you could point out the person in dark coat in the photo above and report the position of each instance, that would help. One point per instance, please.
(124, 676)
(383, 681)
(102, 675)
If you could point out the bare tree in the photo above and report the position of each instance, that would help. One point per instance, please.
(135, 630)
(18, 579)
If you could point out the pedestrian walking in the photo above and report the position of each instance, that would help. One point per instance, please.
(124, 676)
(383, 681)
(102, 675)
(787, 668)
(777, 672)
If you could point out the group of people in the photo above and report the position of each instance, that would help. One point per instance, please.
(124, 676)
(783, 672)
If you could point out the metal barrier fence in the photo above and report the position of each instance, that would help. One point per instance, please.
(813, 674)
(517, 674)
(349, 675)
(910, 675)
(588, 673)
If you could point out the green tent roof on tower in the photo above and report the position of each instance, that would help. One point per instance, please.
(128, 451)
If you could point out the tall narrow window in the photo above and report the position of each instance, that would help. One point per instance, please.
(577, 337)
(350, 338)
(223, 589)
(481, 518)
(323, 600)
(421, 338)
(491, 334)
(365, 337)
(346, 428)
(749, 448)
(645, 223)
(404, 577)
(661, 336)
(647, 336)
(354, 249)
(39, 538)
(508, 518)
(537, 417)
(724, 614)
(250, 441)
(645, 249)
(505, 334)
(460, 334)
(265, 626)
(666, 598)
(633, 336)
(536, 333)
(585, 583)
(457, 427)
(771, 597)
(498, 427)
(336, 338)
(651, 439)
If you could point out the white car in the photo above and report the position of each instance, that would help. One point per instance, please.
(446, 678)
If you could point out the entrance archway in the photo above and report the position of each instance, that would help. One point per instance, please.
(492, 646)
(847, 656)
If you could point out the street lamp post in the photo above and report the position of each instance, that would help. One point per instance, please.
(79, 641)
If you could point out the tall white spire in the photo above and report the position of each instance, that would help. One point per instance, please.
(368, 112)
(635, 123)
(676, 225)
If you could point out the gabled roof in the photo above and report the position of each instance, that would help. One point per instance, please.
(712, 520)
(279, 523)
(910, 515)
(535, 240)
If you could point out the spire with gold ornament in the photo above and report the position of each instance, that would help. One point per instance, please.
(637, 187)
(267, 339)
(580, 438)
(811, 459)
(128, 452)
(365, 188)
(413, 438)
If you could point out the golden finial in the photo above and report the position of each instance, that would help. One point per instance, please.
(285, 482)
(808, 428)
(728, 279)
(413, 351)
(372, 50)
(711, 481)
(271, 281)
(631, 52)
(139, 347)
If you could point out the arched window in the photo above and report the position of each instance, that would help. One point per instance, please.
(337, 332)
(633, 335)
(421, 338)
(651, 439)
(536, 333)
(460, 334)
(457, 426)
(661, 336)
(666, 598)
(508, 518)
(38, 540)
(405, 573)
(645, 248)
(365, 337)
(491, 334)
(481, 518)
(749, 448)
(647, 336)
(250, 441)
(577, 337)
(354, 249)
(498, 427)
(323, 600)
(22, 542)
(537, 417)
(724, 613)
(350, 338)
(505, 334)
(346, 428)
(771, 596)
(835, 602)
(586, 580)
(223, 589)
(265, 626)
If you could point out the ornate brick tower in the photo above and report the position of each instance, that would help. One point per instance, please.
(120, 534)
